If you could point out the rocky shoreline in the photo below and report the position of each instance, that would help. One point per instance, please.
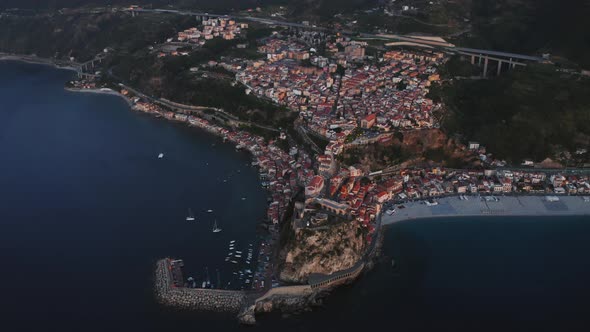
(32, 59)
(194, 298)
(245, 304)
(104, 91)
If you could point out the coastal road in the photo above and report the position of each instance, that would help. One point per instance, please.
(183, 107)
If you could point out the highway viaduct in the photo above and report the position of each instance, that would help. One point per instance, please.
(483, 58)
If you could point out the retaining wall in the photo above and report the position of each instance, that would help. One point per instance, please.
(297, 290)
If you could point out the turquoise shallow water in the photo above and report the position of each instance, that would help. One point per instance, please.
(86, 208)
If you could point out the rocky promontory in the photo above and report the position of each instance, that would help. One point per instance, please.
(323, 250)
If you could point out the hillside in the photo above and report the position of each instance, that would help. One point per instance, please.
(532, 26)
(535, 113)
(322, 250)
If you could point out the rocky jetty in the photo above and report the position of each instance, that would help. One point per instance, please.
(195, 298)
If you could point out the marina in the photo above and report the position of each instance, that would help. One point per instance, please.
(137, 212)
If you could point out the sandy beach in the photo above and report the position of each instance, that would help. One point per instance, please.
(475, 206)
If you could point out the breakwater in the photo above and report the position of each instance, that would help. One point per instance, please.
(194, 298)
(246, 304)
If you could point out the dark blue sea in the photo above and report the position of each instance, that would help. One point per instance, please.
(86, 208)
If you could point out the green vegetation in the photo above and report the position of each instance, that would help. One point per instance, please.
(356, 133)
(533, 26)
(84, 35)
(400, 24)
(321, 142)
(375, 156)
(440, 155)
(534, 112)
(455, 67)
(326, 9)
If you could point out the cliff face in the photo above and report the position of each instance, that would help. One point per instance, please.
(323, 250)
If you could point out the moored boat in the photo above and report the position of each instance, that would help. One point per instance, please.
(190, 216)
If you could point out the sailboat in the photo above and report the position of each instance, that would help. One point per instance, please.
(207, 281)
(190, 216)
(215, 228)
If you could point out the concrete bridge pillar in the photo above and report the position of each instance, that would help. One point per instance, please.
(479, 60)
(485, 67)
(499, 67)
(473, 59)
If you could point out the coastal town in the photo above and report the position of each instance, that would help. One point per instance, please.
(375, 97)
(351, 194)
(214, 28)
(348, 100)
(295, 165)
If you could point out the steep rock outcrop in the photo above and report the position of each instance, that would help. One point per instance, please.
(323, 250)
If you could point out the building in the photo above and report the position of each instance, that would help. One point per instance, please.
(368, 121)
(354, 51)
(315, 186)
(332, 206)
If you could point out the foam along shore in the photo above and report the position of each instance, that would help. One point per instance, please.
(105, 91)
(479, 206)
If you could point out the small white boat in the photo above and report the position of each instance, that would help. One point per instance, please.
(238, 252)
(209, 211)
(243, 198)
(232, 241)
(239, 256)
(190, 216)
(160, 156)
(215, 228)
(234, 262)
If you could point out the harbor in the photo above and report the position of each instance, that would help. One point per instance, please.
(131, 206)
